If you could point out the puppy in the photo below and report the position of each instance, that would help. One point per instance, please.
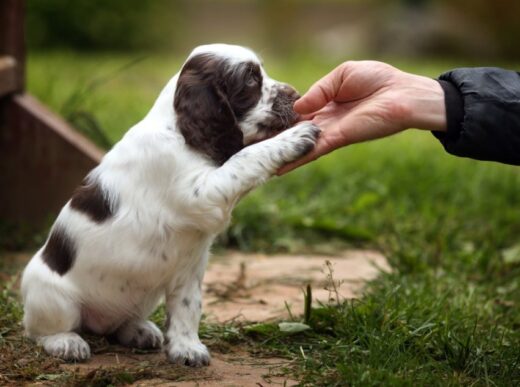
(139, 228)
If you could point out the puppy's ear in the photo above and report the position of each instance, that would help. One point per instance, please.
(204, 115)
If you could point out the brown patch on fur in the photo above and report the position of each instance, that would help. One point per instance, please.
(90, 199)
(210, 99)
(59, 251)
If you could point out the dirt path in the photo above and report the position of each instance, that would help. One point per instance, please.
(252, 287)
(235, 369)
(256, 287)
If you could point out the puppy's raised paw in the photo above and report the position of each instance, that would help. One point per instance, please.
(140, 334)
(193, 354)
(300, 139)
(68, 346)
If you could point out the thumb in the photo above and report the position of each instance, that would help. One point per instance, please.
(319, 94)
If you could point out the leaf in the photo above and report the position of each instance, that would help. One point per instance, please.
(293, 327)
(263, 329)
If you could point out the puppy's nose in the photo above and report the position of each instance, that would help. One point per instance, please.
(290, 92)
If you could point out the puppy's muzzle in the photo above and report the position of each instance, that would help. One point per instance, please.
(283, 115)
(284, 101)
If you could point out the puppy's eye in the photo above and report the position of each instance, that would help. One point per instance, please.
(251, 81)
(252, 78)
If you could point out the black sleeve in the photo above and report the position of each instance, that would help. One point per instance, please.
(483, 113)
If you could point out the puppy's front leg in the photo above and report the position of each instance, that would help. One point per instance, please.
(184, 304)
(256, 163)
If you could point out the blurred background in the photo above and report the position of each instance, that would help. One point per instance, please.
(336, 29)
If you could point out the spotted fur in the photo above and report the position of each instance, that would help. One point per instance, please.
(140, 227)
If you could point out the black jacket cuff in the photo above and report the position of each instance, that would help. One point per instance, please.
(454, 112)
(483, 114)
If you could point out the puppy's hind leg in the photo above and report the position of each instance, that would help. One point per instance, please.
(50, 317)
(140, 334)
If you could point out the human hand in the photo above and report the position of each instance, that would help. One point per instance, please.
(360, 101)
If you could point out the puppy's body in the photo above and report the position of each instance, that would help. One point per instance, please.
(141, 225)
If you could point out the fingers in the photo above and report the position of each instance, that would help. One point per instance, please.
(319, 94)
(352, 128)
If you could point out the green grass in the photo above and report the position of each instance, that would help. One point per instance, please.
(448, 314)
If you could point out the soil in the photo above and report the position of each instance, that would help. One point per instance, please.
(253, 288)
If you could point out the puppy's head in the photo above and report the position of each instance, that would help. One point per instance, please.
(224, 100)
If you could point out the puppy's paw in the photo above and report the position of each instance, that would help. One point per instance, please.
(300, 140)
(140, 334)
(68, 346)
(187, 352)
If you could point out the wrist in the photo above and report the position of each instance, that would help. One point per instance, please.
(426, 104)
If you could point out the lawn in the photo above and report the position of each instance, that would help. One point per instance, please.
(448, 314)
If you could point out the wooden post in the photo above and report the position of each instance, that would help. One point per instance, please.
(12, 37)
(42, 158)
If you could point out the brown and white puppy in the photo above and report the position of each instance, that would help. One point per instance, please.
(139, 228)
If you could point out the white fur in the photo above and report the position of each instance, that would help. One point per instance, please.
(171, 203)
